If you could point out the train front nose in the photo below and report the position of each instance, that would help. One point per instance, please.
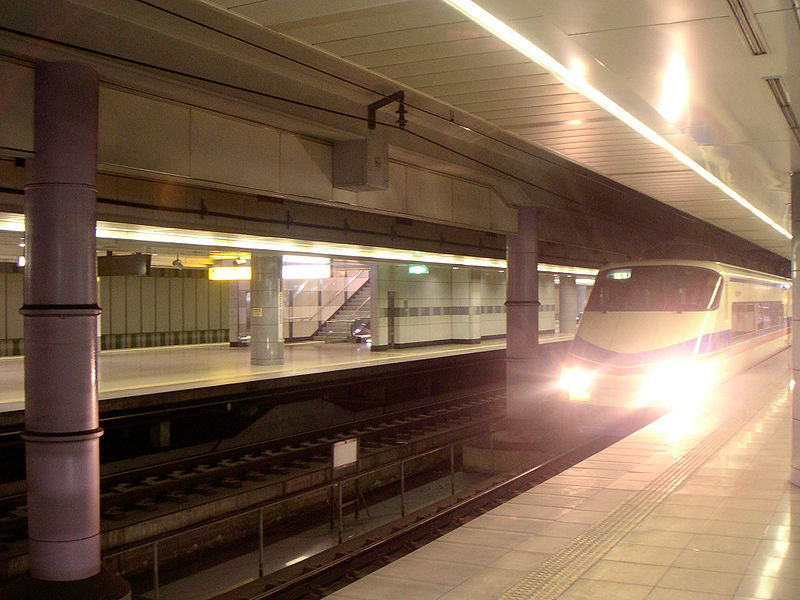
(677, 383)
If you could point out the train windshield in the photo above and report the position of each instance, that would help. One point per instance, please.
(656, 287)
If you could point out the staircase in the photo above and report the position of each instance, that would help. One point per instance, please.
(337, 328)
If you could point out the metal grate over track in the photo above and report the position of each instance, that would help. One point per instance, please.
(561, 570)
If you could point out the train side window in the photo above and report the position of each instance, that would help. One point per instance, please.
(743, 318)
(749, 317)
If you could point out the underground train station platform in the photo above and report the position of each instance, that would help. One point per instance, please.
(695, 506)
(141, 371)
(125, 374)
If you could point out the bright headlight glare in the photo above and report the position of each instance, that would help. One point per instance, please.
(678, 383)
(577, 382)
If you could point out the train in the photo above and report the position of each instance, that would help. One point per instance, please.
(656, 334)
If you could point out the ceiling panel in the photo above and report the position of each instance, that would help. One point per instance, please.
(730, 122)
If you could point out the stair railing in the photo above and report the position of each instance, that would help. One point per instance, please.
(349, 328)
(324, 312)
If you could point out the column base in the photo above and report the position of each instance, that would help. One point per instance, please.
(261, 362)
(103, 586)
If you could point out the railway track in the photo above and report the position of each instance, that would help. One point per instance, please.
(137, 495)
(331, 570)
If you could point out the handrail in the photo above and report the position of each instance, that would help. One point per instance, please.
(316, 316)
(259, 507)
(360, 306)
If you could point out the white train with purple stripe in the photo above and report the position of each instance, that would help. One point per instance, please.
(658, 332)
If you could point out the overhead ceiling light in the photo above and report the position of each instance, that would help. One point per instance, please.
(776, 86)
(321, 250)
(748, 24)
(523, 45)
(229, 273)
(674, 90)
(545, 268)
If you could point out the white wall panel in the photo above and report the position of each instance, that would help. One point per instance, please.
(143, 133)
(305, 312)
(202, 304)
(189, 303)
(471, 204)
(394, 198)
(429, 195)
(303, 328)
(162, 303)
(116, 310)
(133, 304)
(306, 167)
(16, 108)
(175, 304)
(224, 302)
(308, 297)
(234, 152)
(216, 289)
(104, 288)
(148, 314)
(504, 218)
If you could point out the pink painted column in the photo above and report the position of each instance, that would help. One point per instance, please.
(62, 433)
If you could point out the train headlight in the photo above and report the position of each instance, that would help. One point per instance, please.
(676, 384)
(577, 382)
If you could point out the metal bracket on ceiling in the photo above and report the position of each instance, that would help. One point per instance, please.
(399, 97)
(782, 98)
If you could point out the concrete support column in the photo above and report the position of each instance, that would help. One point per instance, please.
(62, 433)
(522, 317)
(795, 473)
(60, 328)
(567, 304)
(378, 318)
(266, 310)
(581, 298)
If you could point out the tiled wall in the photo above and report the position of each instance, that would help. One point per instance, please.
(493, 299)
(547, 303)
(443, 305)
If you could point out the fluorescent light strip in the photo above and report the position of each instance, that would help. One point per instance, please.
(543, 267)
(776, 87)
(520, 43)
(121, 231)
(15, 222)
(748, 23)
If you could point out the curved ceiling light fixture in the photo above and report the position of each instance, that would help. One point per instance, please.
(523, 45)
